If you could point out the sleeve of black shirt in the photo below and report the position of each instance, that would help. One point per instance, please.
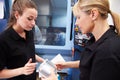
(3, 56)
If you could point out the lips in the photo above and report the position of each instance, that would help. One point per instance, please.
(30, 26)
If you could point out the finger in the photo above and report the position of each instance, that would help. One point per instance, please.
(30, 60)
(30, 70)
(32, 64)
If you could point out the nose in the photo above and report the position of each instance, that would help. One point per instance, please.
(33, 22)
(76, 23)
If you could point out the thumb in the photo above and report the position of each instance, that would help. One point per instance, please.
(30, 60)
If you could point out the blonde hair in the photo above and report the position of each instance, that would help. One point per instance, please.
(103, 7)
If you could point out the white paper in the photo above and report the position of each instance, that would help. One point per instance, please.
(58, 58)
(1, 9)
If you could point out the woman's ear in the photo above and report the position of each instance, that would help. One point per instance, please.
(16, 14)
(94, 13)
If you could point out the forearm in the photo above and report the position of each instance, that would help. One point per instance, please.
(28, 69)
(72, 64)
(8, 73)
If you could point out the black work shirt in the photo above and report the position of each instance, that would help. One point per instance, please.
(15, 52)
(101, 60)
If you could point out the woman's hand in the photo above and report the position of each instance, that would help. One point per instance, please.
(61, 65)
(29, 67)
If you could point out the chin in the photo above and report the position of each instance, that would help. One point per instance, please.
(28, 29)
(82, 32)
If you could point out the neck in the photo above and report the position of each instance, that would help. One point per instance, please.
(20, 31)
(100, 28)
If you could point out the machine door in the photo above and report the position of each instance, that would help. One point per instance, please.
(53, 28)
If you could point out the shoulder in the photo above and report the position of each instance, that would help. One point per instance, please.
(3, 41)
(113, 41)
(4, 35)
(109, 47)
(109, 50)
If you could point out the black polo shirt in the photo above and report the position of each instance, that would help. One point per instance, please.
(16, 51)
(101, 60)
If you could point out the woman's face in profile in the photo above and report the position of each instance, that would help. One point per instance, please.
(84, 22)
(27, 19)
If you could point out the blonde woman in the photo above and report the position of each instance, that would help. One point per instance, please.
(101, 58)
